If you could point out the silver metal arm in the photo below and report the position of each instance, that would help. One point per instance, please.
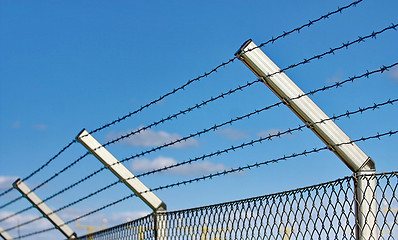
(44, 209)
(121, 171)
(336, 140)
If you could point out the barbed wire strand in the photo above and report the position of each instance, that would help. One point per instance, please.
(382, 69)
(337, 84)
(215, 127)
(232, 148)
(305, 61)
(258, 164)
(11, 202)
(197, 106)
(222, 173)
(272, 40)
(347, 114)
(223, 64)
(39, 169)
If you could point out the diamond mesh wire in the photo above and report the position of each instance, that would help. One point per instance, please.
(324, 211)
(139, 229)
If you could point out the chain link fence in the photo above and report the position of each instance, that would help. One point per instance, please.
(324, 211)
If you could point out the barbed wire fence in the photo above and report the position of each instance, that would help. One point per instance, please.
(368, 73)
(323, 211)
(206, 74)
(270, 137)
(320, 211)
(233, 170)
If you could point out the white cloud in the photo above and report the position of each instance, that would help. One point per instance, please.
(231, 134)
(394, 74)
(92, 220)
(196, 168)
(21, 218)
(125, 217)
(266, 133)
(109, 220)
(150, 138)
(6, 181)
(40, 127)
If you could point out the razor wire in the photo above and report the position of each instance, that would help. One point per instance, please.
(206, 74)
(219, 152)
(221, 173)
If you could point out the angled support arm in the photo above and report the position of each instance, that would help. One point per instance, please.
(44, 209)
(4, 235)
(336, 140)
(121, 171)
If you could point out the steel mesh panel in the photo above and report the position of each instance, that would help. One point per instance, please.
(324, 211)
(318, 212)
(139, 229)
(387, 206)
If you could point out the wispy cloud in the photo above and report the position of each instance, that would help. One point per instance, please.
(338, 76)
(20, 218)
(110, 220)
(6, 181)
(125, 216)
(204, 167)
(151, 138)
(93, 220)
(16, 124)
(394, 74)
(232, 134)
(40, 127)
(266, 133)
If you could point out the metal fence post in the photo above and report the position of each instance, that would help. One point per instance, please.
(143, 192)
(44, 209)
(336, 140)
(365, 205)
(160, 225)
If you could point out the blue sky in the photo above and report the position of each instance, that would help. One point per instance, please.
(69, 65)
